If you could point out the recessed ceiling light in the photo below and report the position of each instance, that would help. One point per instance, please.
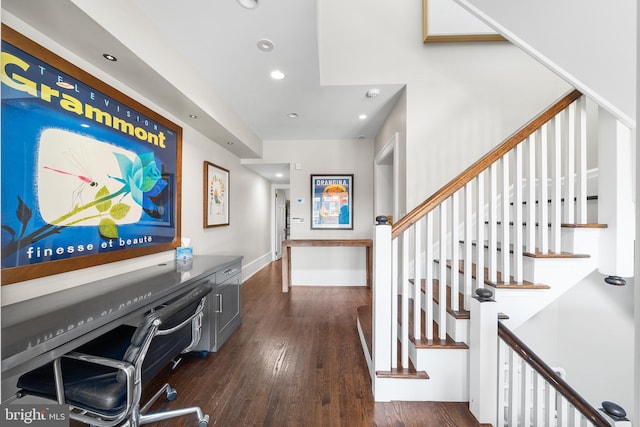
(229, 142)
(249, 4)
(265, 45)
(279, 175)
(362, 116)
(193, 116)
(292, 115)
(109, 57)
(277, 75)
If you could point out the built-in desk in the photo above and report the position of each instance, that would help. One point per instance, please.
(36, 331)
(288, 244)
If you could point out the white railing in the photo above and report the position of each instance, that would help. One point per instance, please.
(465, 227)
(531, 394)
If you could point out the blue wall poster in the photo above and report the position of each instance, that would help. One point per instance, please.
(89, 175)
(332, 202)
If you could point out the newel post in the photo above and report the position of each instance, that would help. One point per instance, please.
(382, 299)
(483, 357)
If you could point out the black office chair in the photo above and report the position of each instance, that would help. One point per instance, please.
(102, 381)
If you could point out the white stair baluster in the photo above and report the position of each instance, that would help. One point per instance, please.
(404, 321)
(467, 259)
(479, 232)
(514, 384)
(550, 405)
(562, 411)
(518, 240)
(493, 224)
(428, 277)
(531, 195)
(544, 190)
(570, 168)
(581, 179)
(394, 303)
(538, 400)
(556, 185)
(442, 288)
(526, 397)
(417, 274)
(505, 235)
(455, 252)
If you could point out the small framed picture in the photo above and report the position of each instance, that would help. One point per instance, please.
(332, 202)
(216, 195)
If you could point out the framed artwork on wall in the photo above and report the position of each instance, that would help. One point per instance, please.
(216, 195)
(89, 175)
(332, 202)
(447, 21)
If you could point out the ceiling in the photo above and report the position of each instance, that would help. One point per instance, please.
(215, 43)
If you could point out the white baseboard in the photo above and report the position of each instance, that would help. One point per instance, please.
(252, 267)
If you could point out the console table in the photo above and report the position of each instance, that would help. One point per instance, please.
(288, 244)
(38, 330)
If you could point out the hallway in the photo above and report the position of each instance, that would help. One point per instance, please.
(295, 361)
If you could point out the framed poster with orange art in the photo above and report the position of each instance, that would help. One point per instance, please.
(332, 202)
(216, 195)
(89, 175)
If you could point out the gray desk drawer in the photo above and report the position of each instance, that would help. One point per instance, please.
(228, 273)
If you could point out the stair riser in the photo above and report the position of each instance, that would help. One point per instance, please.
(448, 371)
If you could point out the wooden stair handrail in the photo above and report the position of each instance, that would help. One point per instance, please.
(551, 377)
(474, 170)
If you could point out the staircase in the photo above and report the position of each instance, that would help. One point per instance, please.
(518, 222)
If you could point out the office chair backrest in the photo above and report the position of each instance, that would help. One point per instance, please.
(154, 344)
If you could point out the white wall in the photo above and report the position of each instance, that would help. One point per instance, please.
(462, 99)
(353, 156)
(589, 332)
(396, 122)
(452, 123)
(591, 43)
(247, 235)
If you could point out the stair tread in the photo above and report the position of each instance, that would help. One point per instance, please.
(537, 253)
(461, 313)
(403, 373)
(562, 225)
(499, 284)
(456, 314)
(589, 198)
(423, 342)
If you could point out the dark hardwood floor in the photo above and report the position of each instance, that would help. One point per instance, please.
(295, 361)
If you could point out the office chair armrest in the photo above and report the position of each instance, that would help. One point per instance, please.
(127, 368)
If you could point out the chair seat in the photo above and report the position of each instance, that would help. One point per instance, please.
(86, 385)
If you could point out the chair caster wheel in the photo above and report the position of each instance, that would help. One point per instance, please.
(203, 422)
(171, 394)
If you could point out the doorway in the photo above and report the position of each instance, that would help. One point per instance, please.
(281, 217)
(386, 180)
